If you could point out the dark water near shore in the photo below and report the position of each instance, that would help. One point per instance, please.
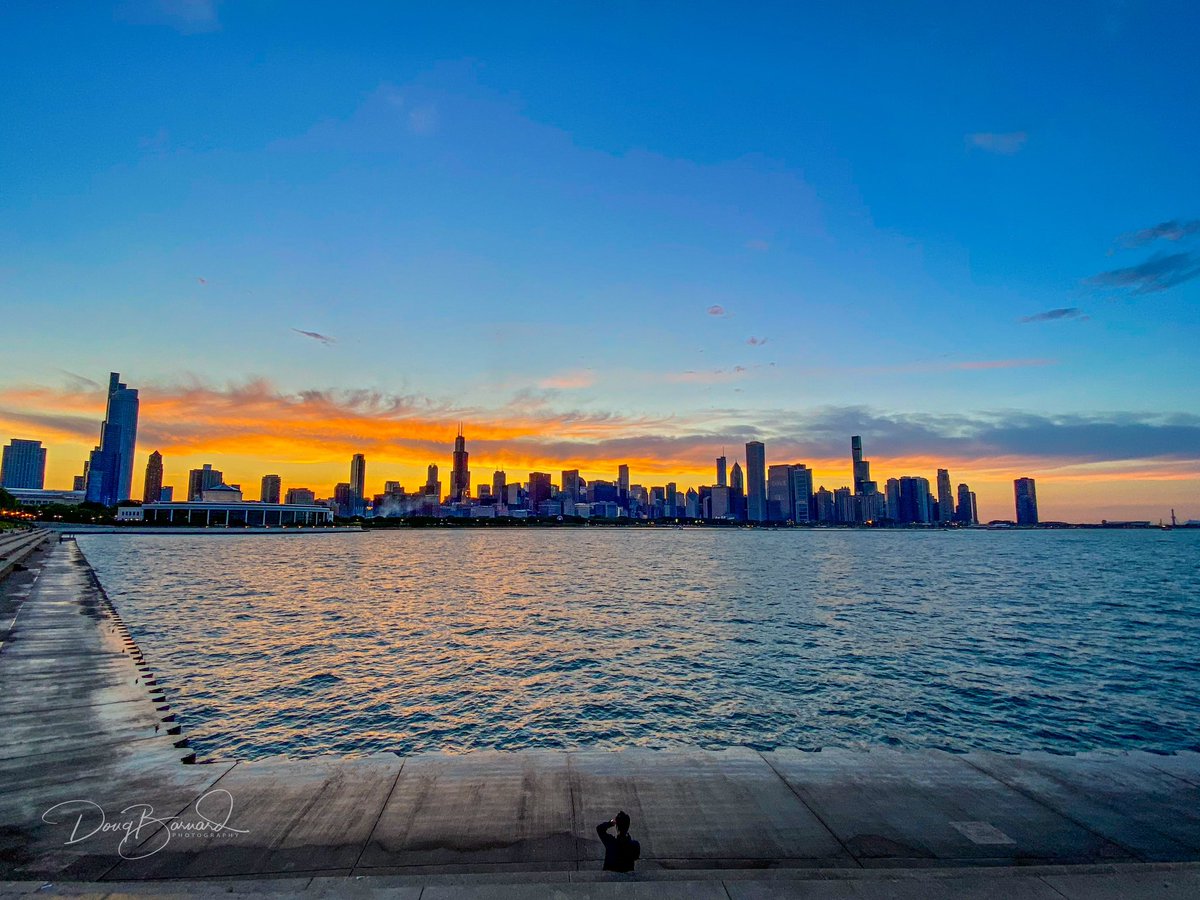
(512, 638)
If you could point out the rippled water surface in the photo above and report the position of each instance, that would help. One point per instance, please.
(459, 639)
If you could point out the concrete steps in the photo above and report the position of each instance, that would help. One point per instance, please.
(15, 547)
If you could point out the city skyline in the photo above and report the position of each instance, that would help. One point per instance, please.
(597, 237)
(994, 482)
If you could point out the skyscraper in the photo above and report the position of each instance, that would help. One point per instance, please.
(756, 481)
(945, 498)
(779, 493)
(914, 500)
(737, 492)
(572, 485)
(499, 482)
(200, 480)
(460, 475)
(23, 465)
(271, 489)
(1026, 495)
(344, 499)
(623, 484)
(110, 469)
(721, 470)
(860, 466)
(358, 485)
(539, 488)
(152, 490)
(965, 512)
(802, 497)
(433, 487)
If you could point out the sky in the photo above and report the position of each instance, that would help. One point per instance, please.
(611, 233)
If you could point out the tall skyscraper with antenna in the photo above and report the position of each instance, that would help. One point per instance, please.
(460, 475)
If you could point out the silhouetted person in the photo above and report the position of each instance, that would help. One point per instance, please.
(622, 851)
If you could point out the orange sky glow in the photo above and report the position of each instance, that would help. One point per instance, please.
(251, 429)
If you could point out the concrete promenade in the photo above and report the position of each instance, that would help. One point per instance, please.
(97, 787)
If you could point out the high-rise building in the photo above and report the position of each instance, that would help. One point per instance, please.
(756, 481)
(299, 495)
(79, 482)
(861, 467)
(572, 485)
(891, 499)
(720, 506)
(737, 492)
(358, 485)
(152, 490)
(23, 465)
(460, 475)
(1026, 495)
(945, 498)
(539, 488)
(499, 483)
(623, 484)
(272, 487)
(721, 470)
(691, 504)
(344, 499)
(779, 493)
(915, 506)
(671, 498)
(802, 497)
(200, 480)
(963, 511)
(110, 469)
(433, 487)
(825, 507)
(166, 494)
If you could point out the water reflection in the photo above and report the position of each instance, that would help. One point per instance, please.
(512, 638)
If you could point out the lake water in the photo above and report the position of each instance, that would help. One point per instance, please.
(460, 639)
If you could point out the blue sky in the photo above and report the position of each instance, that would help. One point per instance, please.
(540, 205)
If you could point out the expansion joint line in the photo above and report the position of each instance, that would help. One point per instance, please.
(816, 815)
(378, 819)
(1058, 812)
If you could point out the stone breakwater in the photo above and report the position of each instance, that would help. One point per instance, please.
(97, 783)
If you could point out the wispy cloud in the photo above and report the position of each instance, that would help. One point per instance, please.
(581, 378)
(1005, 143)
(316, 336)
(321, 427)
(756, 341)
(1158, 273)
(716, 310)
(1051, 315)
(1173, 230)
(185, 16)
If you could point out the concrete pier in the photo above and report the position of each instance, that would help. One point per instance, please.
(95, 787)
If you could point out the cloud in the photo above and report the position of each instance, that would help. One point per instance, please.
(756, 341)
(1005, 143)
(1158, 273)
(1050, 315)
(1173, 230)
(312, 433)
(582, 378)
(81, 382)
(423, 121)
(716, 310)
(316, 336)
(185, 16)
